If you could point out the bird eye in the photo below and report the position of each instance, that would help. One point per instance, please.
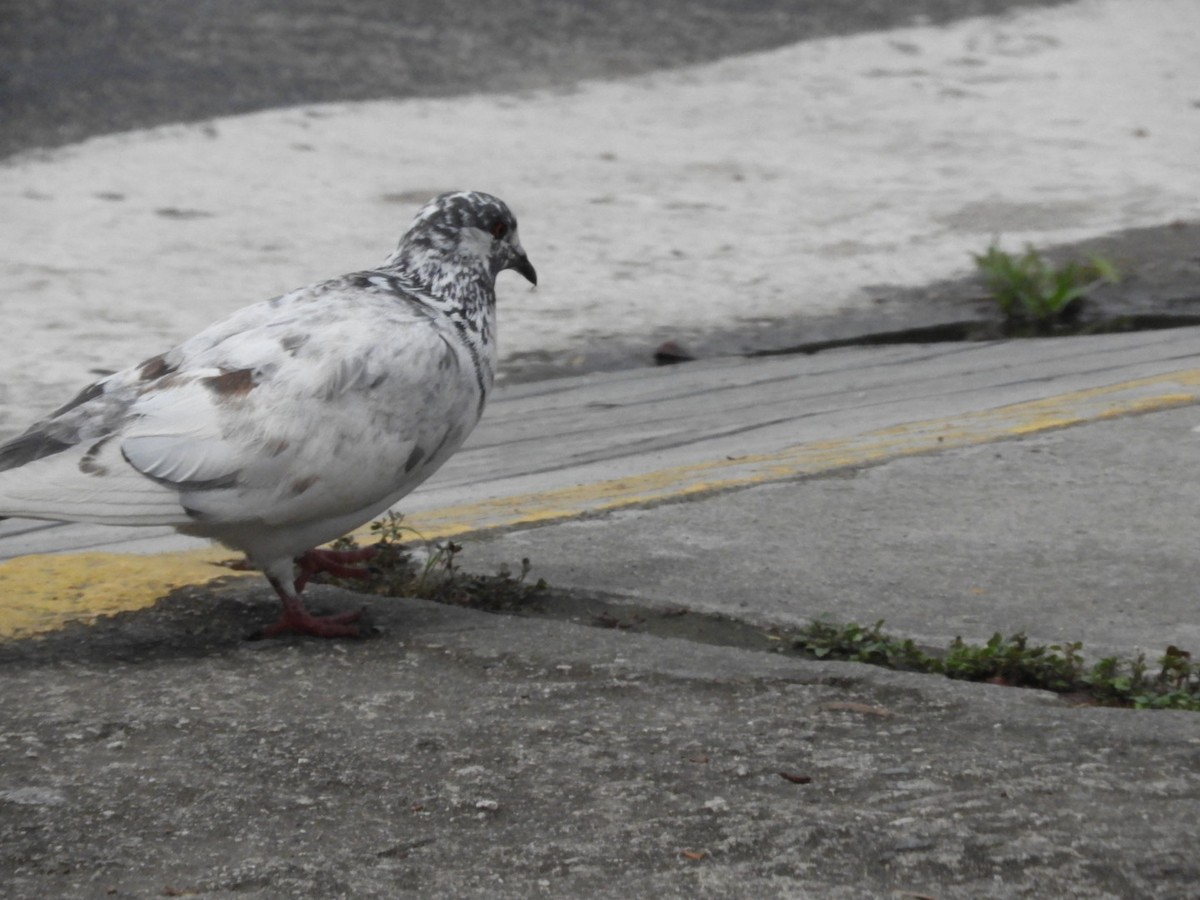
(499, 230)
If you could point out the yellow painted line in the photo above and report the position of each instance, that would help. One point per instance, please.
(40, 593)
(814, 457)
(43, 592)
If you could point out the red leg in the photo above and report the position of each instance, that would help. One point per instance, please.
(298, 620)
(336, 562)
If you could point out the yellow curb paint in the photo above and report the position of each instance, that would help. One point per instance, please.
(41, 593)
(1093, 404)
(44, 592)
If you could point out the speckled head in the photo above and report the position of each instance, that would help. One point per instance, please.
(465, 225)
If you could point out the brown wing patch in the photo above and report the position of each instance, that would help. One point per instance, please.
(231, 383)
(156, 367)
(88, 464)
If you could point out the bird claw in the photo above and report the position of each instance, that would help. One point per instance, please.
(300, 621)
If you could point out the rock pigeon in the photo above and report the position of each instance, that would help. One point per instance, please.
(293, 420)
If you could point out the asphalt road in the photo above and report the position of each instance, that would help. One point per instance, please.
(71, 69)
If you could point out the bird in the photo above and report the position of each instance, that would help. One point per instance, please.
(293, 420)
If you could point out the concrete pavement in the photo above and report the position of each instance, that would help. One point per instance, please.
(468, 755)
(951, 489)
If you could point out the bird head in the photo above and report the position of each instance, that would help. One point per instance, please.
(469, 227)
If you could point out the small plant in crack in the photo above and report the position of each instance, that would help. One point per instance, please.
(857, 643)
(1013, 661)
(1029, 289)
(432, 571)
(1016, 662)
(1176, 684)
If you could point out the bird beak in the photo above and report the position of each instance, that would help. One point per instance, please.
(522, 264)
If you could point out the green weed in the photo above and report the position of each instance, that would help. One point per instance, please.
(1028, 288)
(856, 643)
(1014, 661)
(396, 571)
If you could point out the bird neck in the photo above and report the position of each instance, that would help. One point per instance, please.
(455, 279)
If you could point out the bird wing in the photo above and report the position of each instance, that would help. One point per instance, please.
(315, 404)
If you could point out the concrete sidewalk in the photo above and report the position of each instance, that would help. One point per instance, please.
(467, 755)
(951, 489)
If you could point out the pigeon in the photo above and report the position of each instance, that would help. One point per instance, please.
(294, 420)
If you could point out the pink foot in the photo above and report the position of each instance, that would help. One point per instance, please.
(298, 620)
(301, 621)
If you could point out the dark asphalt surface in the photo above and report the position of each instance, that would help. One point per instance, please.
(71, 69)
